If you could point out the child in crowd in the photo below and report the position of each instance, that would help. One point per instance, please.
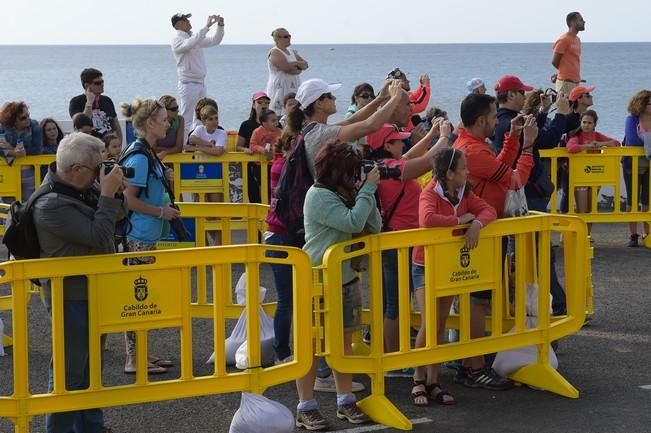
(586, 138)
(209, 138)
(446, 201)
(82, 123)
(112, 147)
(263, 141)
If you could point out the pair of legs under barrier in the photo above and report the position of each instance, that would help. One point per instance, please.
(75, 328)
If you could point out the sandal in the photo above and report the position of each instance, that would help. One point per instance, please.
(439, 397)
(420, 396)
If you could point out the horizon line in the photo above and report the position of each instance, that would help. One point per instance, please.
(314, 43)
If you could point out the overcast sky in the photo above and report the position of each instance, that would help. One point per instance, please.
(323, 22)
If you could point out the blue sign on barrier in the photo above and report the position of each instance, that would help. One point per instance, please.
(171, 241)
(202, 174)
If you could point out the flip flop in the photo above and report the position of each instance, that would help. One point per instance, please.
(151, 369)
(160, 362)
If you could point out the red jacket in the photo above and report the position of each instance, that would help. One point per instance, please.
(419, 99)
(435, 210)
(491, 176)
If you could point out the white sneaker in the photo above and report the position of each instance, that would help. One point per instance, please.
(290, 358)
(327, 384)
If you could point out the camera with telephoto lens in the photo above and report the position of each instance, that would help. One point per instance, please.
(385, 172)
(128, 172)
(551, 93)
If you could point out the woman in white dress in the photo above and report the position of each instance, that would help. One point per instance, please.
(285, 66)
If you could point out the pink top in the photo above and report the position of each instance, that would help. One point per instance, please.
(574, 144)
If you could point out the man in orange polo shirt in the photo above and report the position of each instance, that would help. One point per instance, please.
(491, 177)
(566, 56)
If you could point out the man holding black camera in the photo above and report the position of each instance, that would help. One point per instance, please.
(77, 219)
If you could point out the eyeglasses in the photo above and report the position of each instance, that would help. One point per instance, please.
(366, 96)
(327, 95)
(98, 82)
(173, 108)
(93, 169)
(285, 36)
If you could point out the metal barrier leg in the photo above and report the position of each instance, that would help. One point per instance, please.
(542, 375)
(380, 409)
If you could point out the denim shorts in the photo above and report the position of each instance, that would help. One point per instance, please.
(418, 276)
(352, 305)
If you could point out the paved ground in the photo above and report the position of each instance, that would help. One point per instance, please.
(607, 361)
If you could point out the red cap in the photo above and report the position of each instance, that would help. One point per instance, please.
(385, 134)
(511, 82)
(579, 91)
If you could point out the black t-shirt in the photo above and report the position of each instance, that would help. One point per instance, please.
(103, 113)
(246, 130)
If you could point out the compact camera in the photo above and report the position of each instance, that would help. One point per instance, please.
(552, 93)
(128, 172)
(385, 172)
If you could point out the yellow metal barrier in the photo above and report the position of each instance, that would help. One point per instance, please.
(452, 270)
(596, 170)
(145, 297)
(194, 173)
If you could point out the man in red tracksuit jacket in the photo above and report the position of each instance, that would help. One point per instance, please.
(491, 176)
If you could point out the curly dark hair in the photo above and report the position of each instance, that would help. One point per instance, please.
(335, 163)
(11, 111)
(639, 101)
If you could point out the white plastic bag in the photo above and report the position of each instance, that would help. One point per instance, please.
(515, 204)
(259, 414)
(240, 291)
(2, 337)
(267, 352)
(238, 335)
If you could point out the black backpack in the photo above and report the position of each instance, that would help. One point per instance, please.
(20, 235)
(295, 179)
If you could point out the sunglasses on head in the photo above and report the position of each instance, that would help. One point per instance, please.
(366, 96)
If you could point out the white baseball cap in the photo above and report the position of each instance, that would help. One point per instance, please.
(311, 90)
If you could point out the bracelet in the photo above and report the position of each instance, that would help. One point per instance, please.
(161, 213)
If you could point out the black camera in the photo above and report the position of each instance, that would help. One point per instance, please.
(552, 93)
(385, 172)
(128, 172)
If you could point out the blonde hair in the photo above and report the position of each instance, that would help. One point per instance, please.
(139, 111)
(167, 100)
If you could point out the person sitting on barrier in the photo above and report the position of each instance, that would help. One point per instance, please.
(146, 197)
(587, 138)
(398, 194)
(263, 141)
(491, 176)
(69, 226)
(174, 139)
(333, 211)
(446, 201)
(197, 112)
(95, 105)
(82, 123)
(638, 133)
(20, 136)
(112, 147)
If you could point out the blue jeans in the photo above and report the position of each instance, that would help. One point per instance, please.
(284, 288)
(75, 325)
(559, 305)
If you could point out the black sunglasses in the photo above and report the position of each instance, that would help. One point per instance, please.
(285, 36)
(98, 83)
(176, 108)
(326, 95)
(366, 96)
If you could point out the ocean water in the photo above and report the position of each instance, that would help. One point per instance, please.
(46, 77)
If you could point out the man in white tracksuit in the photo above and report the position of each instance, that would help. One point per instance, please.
(190, 62)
